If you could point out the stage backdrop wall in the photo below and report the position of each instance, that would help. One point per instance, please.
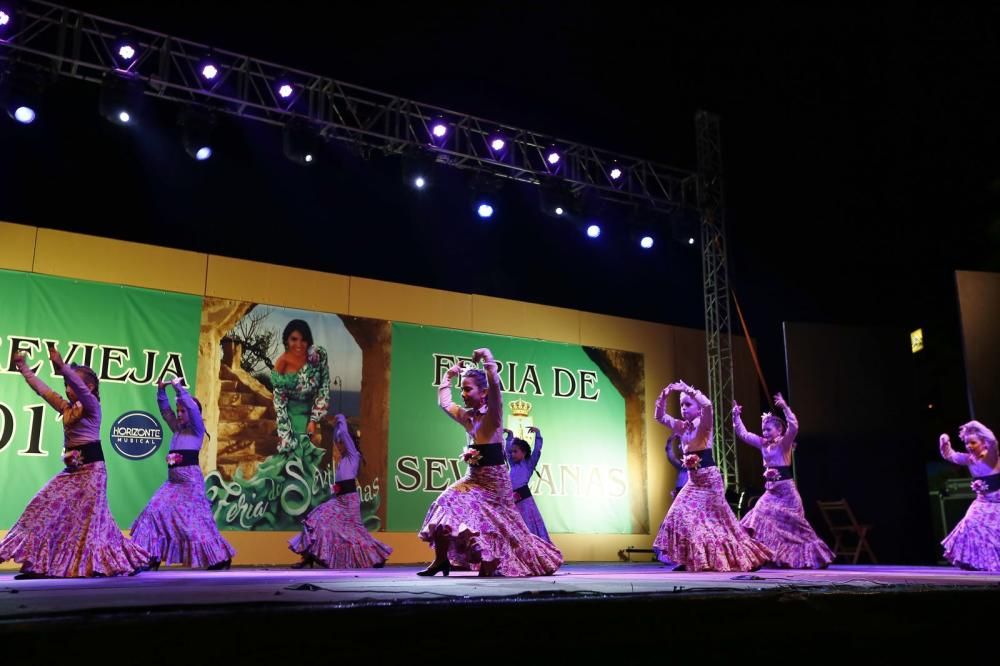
(145, 313)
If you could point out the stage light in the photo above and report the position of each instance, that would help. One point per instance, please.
(301, 142)
(497, 144)
(285, 90)
(559, 210)
(6, 22)
(593, 231)
(21, 94)
(553, 157)
(126, 53)
(556, 199)
(485, 210)
(691, 241)
(120, 99)
(646, 242)
(439, 130)
(197, 127)
(418, 167)
(24, 115)
(209, 71)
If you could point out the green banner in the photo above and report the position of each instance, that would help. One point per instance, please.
(582, 485)
(131, 338)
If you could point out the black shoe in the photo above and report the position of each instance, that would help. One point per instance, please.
(444, 568)
(220, 566)
(306, 561)
(29, 575)
(154, 565)
(380, 565)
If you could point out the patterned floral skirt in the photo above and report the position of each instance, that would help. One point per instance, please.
(67, 530)
(779, 522)
(975, 541)
(701, 532)
(532, 517)
(477, 515)
(177, 526)
(334, 535)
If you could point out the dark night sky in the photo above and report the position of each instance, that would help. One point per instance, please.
(860, 149)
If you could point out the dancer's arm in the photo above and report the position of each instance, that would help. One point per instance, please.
(741, 431)
(58, 403)
(195, 421)
(536, 450)
(494, 396)
(791, 422)
(660, 411)
(444, 396)
(949, 454)
(166, 411)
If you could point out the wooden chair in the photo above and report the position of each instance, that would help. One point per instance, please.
(842, 523)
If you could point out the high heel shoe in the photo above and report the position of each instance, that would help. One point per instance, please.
(489, 569)
(154, 565)
(443, 567)
(220, 566)
(306, 561)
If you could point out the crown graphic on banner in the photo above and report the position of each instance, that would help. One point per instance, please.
(520, 407)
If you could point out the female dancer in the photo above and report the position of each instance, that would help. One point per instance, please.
(67, 529)
(523, 461)
(333, 535)
(778, 519)
(177, 526)
(700, 532)
(975, 541)
(474, 522)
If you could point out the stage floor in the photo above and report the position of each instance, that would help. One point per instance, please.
(172, 588)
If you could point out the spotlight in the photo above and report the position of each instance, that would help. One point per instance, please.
(22, 94)
(593, 231)
(439, 130)
(646, 242)
(557, 199)
(497, 144)
(418, 166)
(6, 23)
(615, 173)
(286, 91)
(125, 52)
(485, 194)
(552, 156)
(197, 126)
(301, 142)
(684, 225)
(120, 99)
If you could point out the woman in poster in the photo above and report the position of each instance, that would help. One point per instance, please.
(333, 535)
(177, 526)
(700, 532)
(67, 529)
(975, 541)
(778, 520)
(474, 521)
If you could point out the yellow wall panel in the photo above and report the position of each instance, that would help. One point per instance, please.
(418, 305)
(256, 282)
(119, 262)
(17, 246)
(525, 320)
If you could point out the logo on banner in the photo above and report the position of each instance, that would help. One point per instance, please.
(136, 435)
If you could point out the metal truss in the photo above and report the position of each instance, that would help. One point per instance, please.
(74, 44)
(718, 338)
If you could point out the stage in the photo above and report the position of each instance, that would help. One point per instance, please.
(631, 609)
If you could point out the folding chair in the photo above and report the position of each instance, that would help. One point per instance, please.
(841, 521)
